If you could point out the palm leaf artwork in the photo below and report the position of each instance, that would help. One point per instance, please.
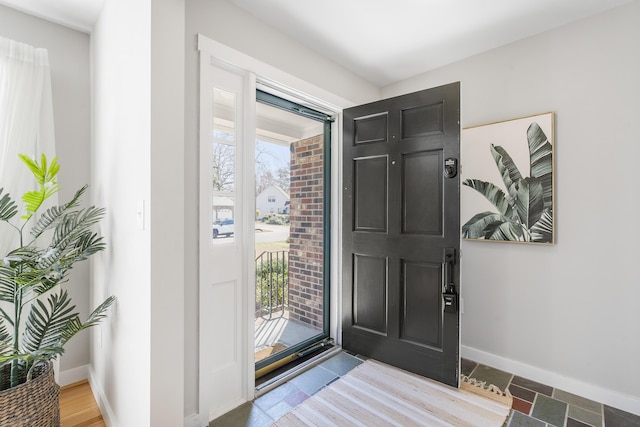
(42, 317)
(524, 212)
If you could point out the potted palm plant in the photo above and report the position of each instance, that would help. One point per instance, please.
(37, 316)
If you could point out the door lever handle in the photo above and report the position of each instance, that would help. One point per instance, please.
(450, 296)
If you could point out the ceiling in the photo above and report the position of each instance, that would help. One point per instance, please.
(282, 127)
(383, 41)
(77, 14)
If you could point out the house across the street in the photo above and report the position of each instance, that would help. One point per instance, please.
(272, 199)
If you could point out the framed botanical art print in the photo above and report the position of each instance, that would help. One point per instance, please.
(507, 192)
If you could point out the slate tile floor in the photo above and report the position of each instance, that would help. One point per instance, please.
(538, 405)
(534, 404)
(277, 402)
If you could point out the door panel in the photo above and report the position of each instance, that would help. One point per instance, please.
(422, 193)
(223, 306)
(370, 290)
(421, 305)
(371, 129)
(370, 200)
(400, 219)
(422, 121)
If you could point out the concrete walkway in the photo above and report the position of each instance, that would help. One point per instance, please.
(281, 329)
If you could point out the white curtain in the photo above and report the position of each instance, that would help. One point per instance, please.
(26, 122)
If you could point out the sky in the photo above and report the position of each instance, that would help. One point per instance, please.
(273, 156)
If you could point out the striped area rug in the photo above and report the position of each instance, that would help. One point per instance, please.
(376, 394)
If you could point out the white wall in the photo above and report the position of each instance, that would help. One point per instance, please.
(69, 59)
(138, 129)
(166, 209)
(566, 314)
(121, 176)
(224, 22)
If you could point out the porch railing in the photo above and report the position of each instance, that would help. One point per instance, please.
(272, 283)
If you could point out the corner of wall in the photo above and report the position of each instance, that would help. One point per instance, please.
(73, 375)
(103, 403)
(192, 420)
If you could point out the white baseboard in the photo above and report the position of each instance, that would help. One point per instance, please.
(612, 398)
(74, 375)
(98, 393)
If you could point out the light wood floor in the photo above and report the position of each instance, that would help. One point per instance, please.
(78, 408)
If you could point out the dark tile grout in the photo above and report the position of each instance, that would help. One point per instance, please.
(609, 416)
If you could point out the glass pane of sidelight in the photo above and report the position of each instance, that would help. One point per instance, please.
(223, 163)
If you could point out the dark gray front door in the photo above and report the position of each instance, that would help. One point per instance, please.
(401, 228)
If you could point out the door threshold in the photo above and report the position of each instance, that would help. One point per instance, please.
(296, 370)
(285, 363)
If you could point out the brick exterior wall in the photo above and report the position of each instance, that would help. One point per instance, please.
(306, 233)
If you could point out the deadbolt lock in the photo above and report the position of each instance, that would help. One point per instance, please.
(450, 167)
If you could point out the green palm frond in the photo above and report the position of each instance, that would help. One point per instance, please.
(51, 270)
(529, 201)
(492, 226)
(46, 323)
(27, 279)
(5, 337)
(8, 286)
(511, 176)
(74, 224)
(75, 326)
(100, 313)
(52, 215)
(541, 159)
(46, 179)
(34, 199)
(48, 259)
(40, 172)
(17, 272)
(24, 255)
(72, 242)
(8, 208)
(493, 194)
(542, 231)
(87, 244)
(28, 359)
(25, 272)
(6, 358)
(507, 230)
(4, 333)
(475, 227)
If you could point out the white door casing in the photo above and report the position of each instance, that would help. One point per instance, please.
(225, 269)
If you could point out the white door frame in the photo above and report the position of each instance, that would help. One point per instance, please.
(213, 53)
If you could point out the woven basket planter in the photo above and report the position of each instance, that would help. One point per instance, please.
(34, 403)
